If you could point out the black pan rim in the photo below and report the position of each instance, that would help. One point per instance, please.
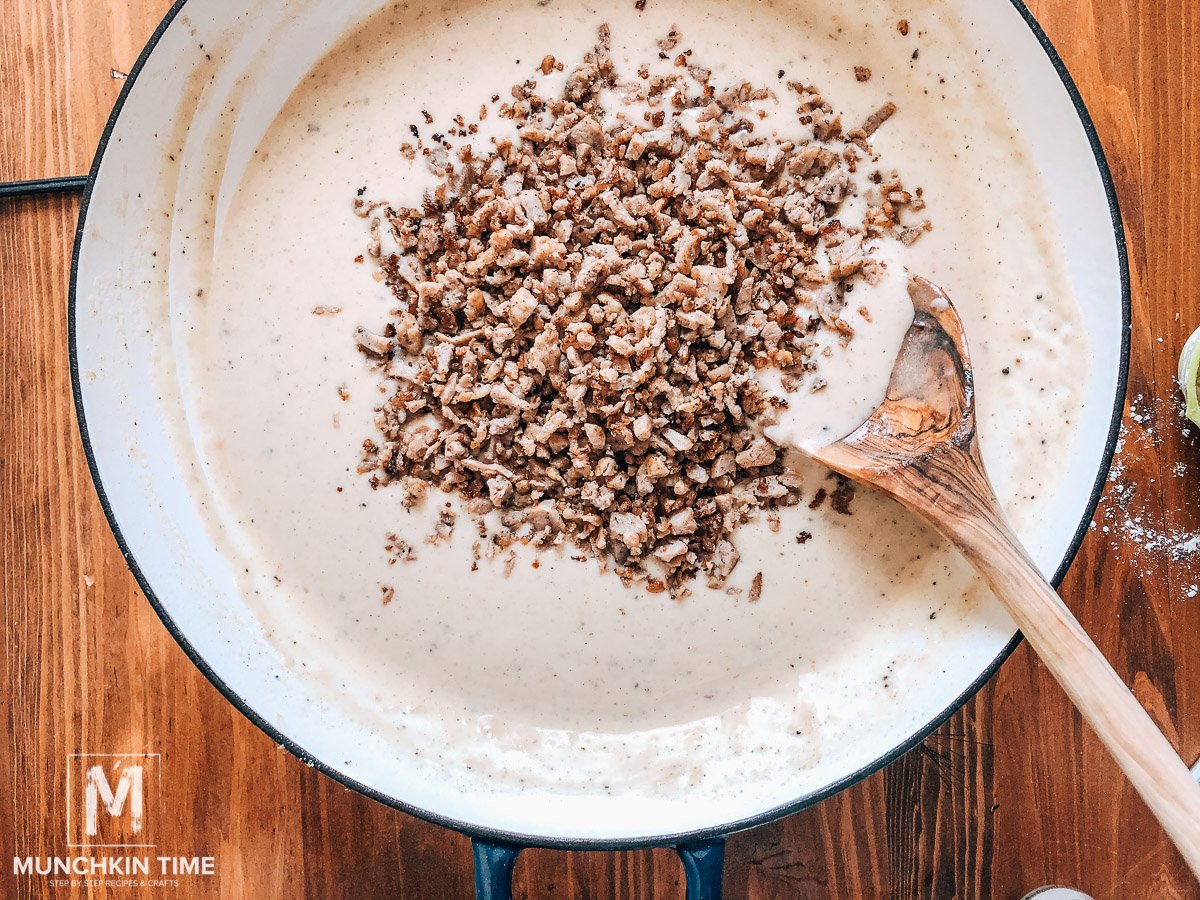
(666, 840)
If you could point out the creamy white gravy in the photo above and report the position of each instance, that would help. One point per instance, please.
(559, 675)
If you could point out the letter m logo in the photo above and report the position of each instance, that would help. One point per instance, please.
(110, 799)
(100, 793)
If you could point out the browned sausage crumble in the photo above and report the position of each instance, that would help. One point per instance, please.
(581, 311)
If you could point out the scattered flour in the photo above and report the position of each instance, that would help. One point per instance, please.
(1154, 536)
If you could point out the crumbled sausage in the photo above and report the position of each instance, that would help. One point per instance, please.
(580, 313)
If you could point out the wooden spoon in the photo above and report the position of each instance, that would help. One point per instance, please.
(920, 446)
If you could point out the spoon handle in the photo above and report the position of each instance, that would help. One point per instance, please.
(1119, 720)
(921, 446)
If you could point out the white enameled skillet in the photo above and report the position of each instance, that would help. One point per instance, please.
(179, 568)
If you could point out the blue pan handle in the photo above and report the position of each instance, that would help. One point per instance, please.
(703, 863)
(493, 869)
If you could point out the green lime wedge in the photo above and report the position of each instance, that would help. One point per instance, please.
(1189, 375)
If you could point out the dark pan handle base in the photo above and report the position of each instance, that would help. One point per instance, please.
(703, 863)
(493, 869)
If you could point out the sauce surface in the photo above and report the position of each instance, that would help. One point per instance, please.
(558, 675)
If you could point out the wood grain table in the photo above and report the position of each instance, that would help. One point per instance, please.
(1010, 794)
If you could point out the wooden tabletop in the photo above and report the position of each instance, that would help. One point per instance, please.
(1011, 794)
